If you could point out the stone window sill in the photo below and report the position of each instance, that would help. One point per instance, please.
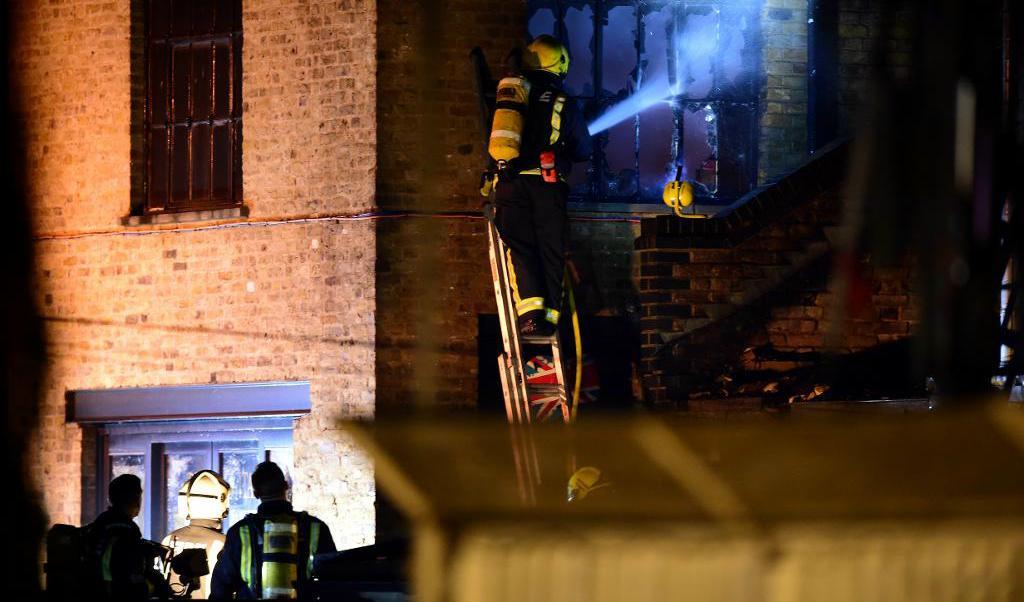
(155, 219)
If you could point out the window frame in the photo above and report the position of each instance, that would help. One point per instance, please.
(145, 204)
(594, 196)
(175, 413)
(151, 439)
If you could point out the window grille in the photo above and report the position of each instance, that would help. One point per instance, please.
(193, 113)
(699, 61)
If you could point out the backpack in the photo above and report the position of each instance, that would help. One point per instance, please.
(68, 561)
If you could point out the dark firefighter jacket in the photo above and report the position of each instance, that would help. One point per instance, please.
(573, 140)
(228, 580)
(116, 557)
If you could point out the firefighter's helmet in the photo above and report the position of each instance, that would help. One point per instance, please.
(546, 53)
(204, 496)
(583, 482)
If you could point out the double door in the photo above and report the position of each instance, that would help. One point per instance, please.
(164, 456)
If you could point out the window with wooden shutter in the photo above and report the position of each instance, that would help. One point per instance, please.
(193, 113)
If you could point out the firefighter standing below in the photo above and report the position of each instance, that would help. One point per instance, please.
(120, 559)
(531, 192)
(203, 500)
(269, 554)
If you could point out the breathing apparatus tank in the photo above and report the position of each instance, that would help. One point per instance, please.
(279, 571)
(512, 100)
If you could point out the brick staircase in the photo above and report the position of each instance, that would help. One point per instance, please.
(754, 277)
(752, 289)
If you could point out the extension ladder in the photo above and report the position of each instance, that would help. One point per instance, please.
(511, 363)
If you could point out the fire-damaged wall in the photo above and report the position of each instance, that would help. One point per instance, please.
(277, 296)
(744, 306)
(602, 248)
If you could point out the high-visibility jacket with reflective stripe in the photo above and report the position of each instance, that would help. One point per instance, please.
(238, 572)
(113, 543)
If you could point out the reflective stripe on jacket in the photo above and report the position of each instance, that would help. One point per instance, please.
(237, 573)
(251, 538)
(553, 122)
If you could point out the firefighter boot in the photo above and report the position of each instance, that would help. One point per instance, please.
(533, 324)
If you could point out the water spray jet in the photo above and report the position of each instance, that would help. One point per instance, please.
(646, 97)
(692, 46)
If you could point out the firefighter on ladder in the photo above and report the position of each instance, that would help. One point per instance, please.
(537, 134)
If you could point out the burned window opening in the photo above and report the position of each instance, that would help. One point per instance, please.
(694, 67)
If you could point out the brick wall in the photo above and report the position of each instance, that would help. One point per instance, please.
(783, 137)
(725, 325)
(457, 284)
(259, 301)
(752, 290)
(176, 307)
(783, 141)
(460, 281)
(860, 25)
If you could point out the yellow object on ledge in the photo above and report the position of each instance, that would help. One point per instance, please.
(678, 194)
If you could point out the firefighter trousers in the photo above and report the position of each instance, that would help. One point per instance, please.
(532, 221)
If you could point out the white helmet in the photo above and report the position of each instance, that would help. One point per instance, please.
(205, 495)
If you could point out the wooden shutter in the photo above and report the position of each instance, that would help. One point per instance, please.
(193, 105)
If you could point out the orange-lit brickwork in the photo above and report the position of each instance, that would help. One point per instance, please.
(131, 306)
(327, 301)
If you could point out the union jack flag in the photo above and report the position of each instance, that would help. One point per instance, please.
(540, 370)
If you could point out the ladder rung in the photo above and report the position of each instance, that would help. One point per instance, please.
(538, 340)
(546, 388)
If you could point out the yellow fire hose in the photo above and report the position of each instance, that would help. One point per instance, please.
(578, 339)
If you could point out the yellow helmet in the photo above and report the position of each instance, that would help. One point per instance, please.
(205, 495)
(583, 481)
(545, 53)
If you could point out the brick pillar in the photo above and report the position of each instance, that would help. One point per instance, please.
(783, 138)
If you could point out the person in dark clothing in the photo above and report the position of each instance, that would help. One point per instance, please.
(531, 200)
(270, 554)
(120, 561)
